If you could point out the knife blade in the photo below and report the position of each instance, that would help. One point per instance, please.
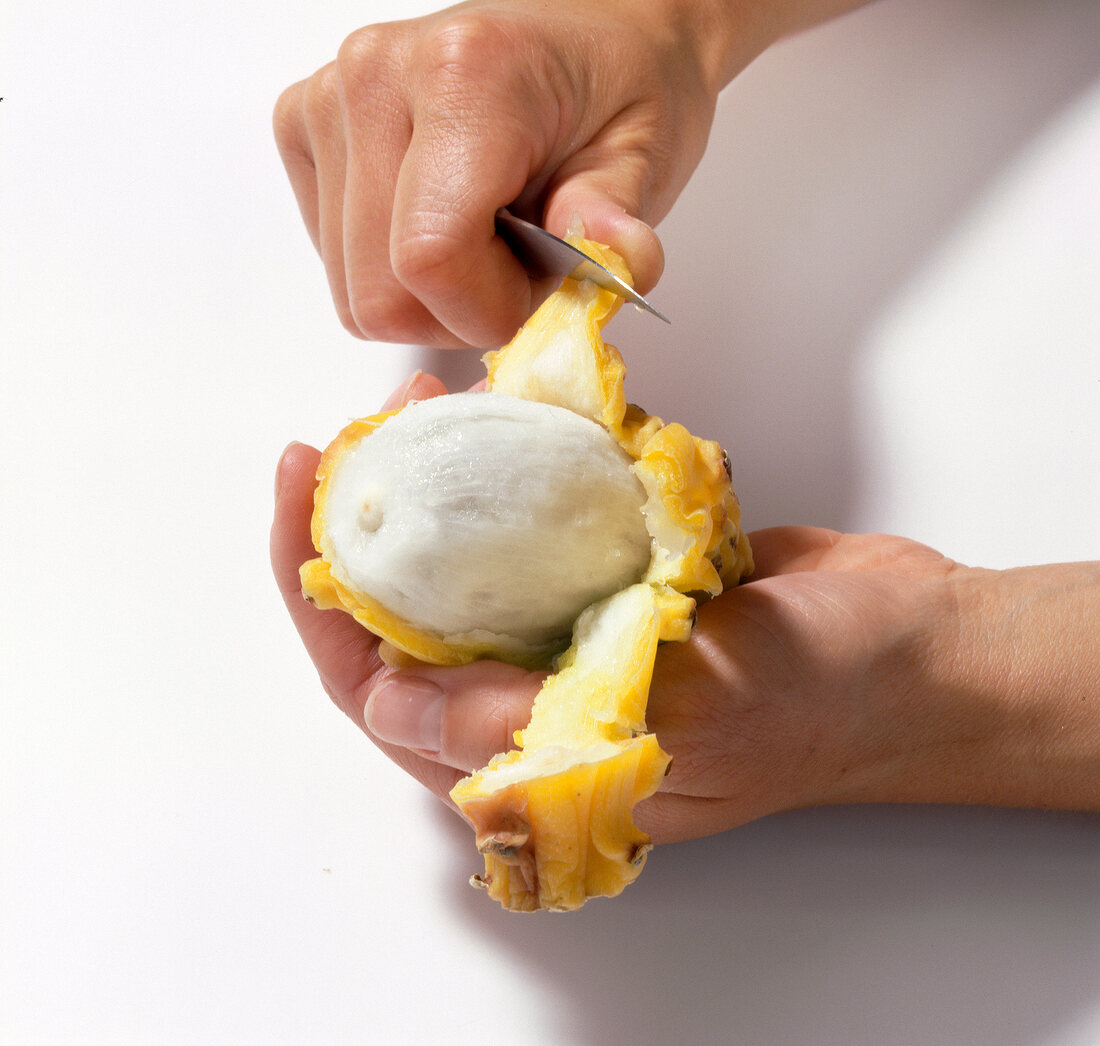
(543, 254)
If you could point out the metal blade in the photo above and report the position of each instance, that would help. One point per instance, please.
(543, 254)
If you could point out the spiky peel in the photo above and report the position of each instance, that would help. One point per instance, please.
(554, 817)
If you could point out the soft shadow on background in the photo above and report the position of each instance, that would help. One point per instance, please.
(821, 196)
(835, 927)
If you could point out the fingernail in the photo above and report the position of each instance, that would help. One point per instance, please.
(407, 711)
(641, 245)
(398, 396)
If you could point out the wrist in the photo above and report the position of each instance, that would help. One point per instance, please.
(729, 34)
(725, 35)
(1027, 653)
(996, 700)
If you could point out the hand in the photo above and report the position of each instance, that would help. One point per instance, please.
(346, 655)
(852, 668)
(401, 151)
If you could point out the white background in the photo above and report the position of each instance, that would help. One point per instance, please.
(884, 286)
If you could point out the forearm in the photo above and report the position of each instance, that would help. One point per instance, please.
(1003, 707)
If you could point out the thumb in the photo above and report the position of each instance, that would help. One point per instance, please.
(608, 204)
(460, 716)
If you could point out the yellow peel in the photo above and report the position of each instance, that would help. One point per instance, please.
(554, 817)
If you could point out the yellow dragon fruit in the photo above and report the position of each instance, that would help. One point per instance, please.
(547, 523)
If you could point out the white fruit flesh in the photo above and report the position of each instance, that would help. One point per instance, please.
(432, 516)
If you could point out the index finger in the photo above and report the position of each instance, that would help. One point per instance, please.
(479, 142)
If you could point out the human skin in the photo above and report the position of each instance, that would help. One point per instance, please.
(401, 150)
(852, 668)
(849, 669)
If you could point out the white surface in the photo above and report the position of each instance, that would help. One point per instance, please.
(883, 283)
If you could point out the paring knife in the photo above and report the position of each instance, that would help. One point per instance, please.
(543, 254)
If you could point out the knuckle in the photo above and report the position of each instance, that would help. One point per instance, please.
(365, 57)
(478, 738)
(482, 716)
(500, 726)
(348, 321)
(461, 44)
(384, 317)
(366, 46)
(439, 270)
(286, 118)
(452, 59)
(321, 98)
(360, 50)
(427, 263)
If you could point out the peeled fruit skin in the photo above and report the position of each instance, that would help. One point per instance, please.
(553, 818)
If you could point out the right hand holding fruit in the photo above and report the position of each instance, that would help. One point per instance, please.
(401, 151)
